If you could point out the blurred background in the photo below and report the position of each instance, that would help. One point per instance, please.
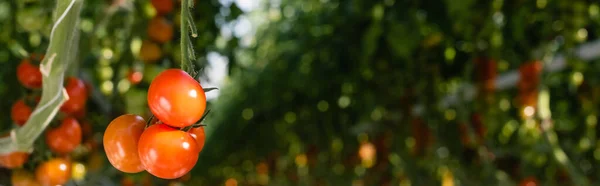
(342, 92)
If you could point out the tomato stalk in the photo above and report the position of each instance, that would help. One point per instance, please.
(62, 49)
(187, 25)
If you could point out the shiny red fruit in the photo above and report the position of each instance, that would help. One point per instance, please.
(13, 159)
(121, 142)
(20, 112)
(135, 77)
(198, 134)
(166, 152)
(77, 91)
(29, 75)
(163, 6)
(64, 138)
(176, 99)
(56, 171)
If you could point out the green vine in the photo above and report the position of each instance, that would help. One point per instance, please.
(187, 25)
(62, 49)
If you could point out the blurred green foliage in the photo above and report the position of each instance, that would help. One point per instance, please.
(320, 85)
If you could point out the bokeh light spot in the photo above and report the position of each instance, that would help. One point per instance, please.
(322, 105)
(247, 113)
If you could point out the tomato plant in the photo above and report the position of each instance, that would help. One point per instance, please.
(77, 92)
(163, 6)
(176, 99)
(198, 134)
(160, 29)
(13, 159)
(64, 138)
(20, 112)
(121, 142)
(56, 171)
(29, 75)
(22, 177)
(150, 51)
(166, 152)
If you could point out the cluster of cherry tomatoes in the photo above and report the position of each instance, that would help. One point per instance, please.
(61, 138)
(159, 31)
(168, 145)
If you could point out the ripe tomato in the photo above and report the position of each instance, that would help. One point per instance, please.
(121, 142)
(166, 152)
(13, 160)
(135, 77)
(176, 99)
(77, 96)
(29, 75)
(150, 51)
(126, 181)
(198, 134)
(64, 138)
(56, 171)
(530, 181)
(163, 6)
(20, 112)
(160, 29)
(22, 177)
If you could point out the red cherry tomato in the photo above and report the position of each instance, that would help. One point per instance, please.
(22, 177)
(163, 6)
(176, 99)
(166, 152)
(160, 29)
(54, 172)
(13, 159)
(198, 134)
(530, 181)
(29, 75)
(77, 95)
(20, 112)
(64, 138)
(121, 142)
(135, 77)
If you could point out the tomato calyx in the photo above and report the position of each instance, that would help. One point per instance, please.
(153, 120)
(199, 123)
(210, 89)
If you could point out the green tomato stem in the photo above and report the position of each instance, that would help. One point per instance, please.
(187, 49)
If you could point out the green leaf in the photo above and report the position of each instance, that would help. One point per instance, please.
(62, 49)
(210, 89)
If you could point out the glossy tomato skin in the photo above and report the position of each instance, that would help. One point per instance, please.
(29, 75)
(64, 138)
(166, 152)
(160, 29)
(176, 99)
(121, 142)
(199, 136)
(77, 95)
(56, 171)
(163, 6)
(20, 112)
(13, 159)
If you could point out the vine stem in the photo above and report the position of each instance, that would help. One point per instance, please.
(187, 25)
(62, 49)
